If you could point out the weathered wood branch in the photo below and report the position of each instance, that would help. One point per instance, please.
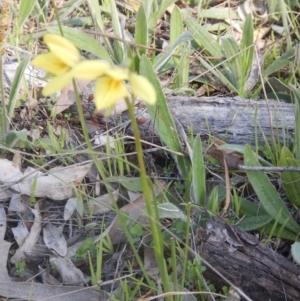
(230, 118)
(233, 119)
(260, 272)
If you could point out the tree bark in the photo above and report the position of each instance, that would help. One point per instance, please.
(233, 119)
(259, 271)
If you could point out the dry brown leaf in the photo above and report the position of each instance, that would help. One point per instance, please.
(150, 262)
(102, 204)
(134, 211)
(67, 96)
(69, 273)
(54, 240)
(30, 242)
(57, 184)
(4, 248)
(233, 159)
(40, 292)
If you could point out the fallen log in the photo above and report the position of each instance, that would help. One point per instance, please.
(260, 272)
(233, 119)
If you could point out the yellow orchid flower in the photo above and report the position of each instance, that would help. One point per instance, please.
(111, 87)
(64, 62)
(63, 55)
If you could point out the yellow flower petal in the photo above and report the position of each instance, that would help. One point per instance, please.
(90, 69)
(63, 49)
(117, 73)
(108, 91)
(50, 63)
(57, 83)
(142, 88)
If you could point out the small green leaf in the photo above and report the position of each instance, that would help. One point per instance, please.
(199, 177)
(267, 193)
(162, 59)
(119, 47)
(67, 9)
(248, 51)
(249, 209)
(176, 24)
(232, 50)
(141, 31)
(203, 38)
(82, 41)
(130, 183)
(287, 58)
(13, 137)
(181, 62)
(98, 19)
(296, 94)
(141, 35)
(290, 180)
(158, 13)
(254, 222)
(26, 7)
(16, 84)
(218, 74)
(279, 232)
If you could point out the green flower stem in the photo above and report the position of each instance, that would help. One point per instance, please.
(186, 250)
(4, 120)
(57, 17)
(153, 217)
(98, 163)
(174, 266)
(100, 169)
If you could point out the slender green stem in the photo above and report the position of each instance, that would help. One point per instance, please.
(174, 266)
(152, 213)
(186, 249)
(4, 120)
(57, 17)
(100, 169)
(98, 163)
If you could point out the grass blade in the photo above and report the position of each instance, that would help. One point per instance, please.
(98, 22)
(162, 59)
(162, 118)
(120, 49)
(290, 180)
(141, 32)
(267, 193)
(203, 38)
(16, 84)
(199, 177)
(162, 8)
(248, 52)
(26, 7)
(287, 58)
(141, 35)
(181, 62)
(254, 222)
(232, 50)
(296, 94)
